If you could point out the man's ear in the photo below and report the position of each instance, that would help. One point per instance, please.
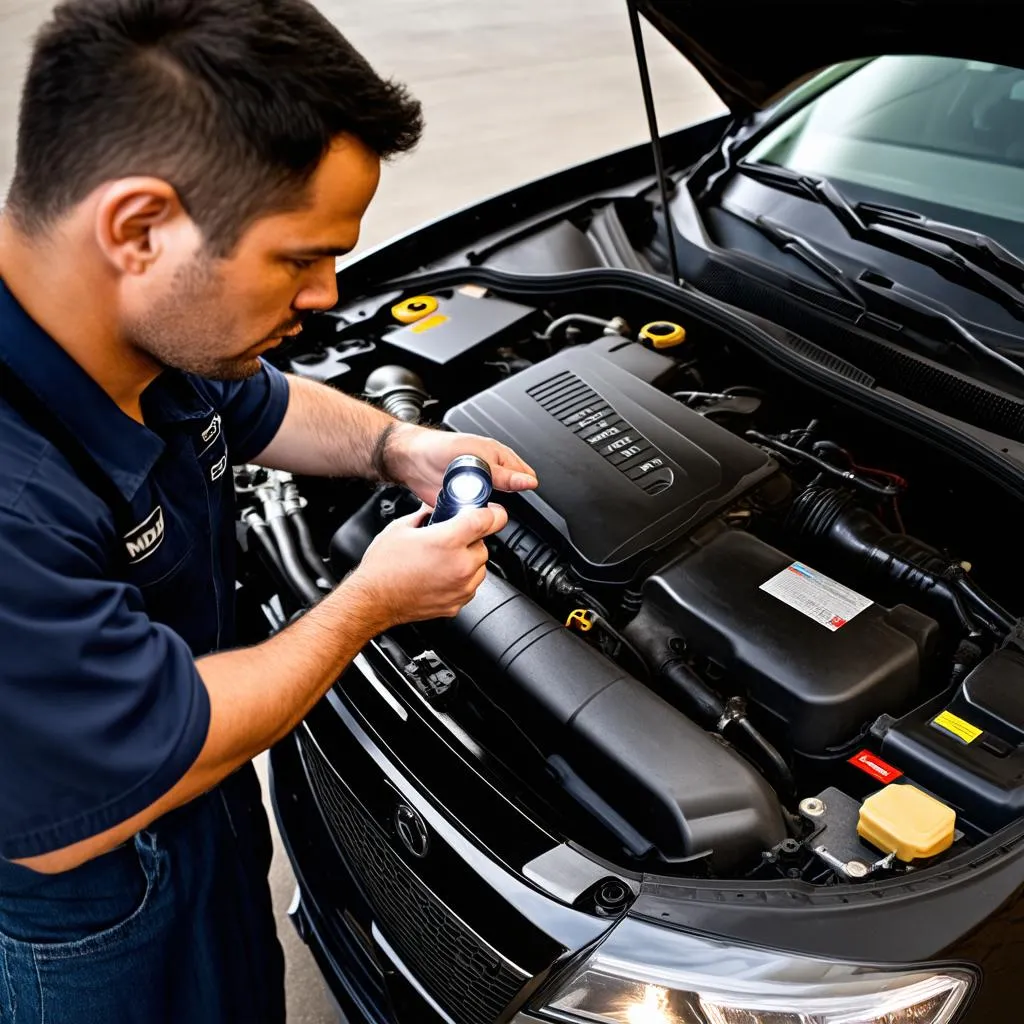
(136, 220)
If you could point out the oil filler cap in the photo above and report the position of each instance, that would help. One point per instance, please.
(663, 334)
(416, 308)
(903, 820)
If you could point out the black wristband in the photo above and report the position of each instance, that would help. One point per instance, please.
(378, 457)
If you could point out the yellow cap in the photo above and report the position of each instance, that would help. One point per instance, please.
(581, 619)
(904, 820)
(416, 308)
(663, 334)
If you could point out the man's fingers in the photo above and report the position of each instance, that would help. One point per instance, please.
(473, 524)
(516, 463)
(512, 480)
(511, 473)
(417, 518)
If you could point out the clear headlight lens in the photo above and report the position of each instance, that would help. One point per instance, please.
(687, 980)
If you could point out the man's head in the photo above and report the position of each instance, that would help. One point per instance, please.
(216, 154)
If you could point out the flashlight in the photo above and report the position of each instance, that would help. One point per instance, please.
(466, 484)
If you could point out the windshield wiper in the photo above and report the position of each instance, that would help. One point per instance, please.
(937, 313)
(871, 289)
(799, 247)
(984, 250)
(940, 255)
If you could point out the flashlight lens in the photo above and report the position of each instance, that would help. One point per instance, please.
(467, 487)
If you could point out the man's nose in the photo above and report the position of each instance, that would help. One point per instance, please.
(320, 288)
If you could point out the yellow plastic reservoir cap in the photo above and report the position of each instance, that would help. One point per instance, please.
(902, 819)
(663, 334)
(416, 308)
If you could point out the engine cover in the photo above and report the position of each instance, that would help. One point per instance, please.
(624, 469)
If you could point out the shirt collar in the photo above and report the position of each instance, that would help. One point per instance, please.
(125, 450)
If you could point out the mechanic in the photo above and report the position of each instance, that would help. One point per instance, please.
(187, 171)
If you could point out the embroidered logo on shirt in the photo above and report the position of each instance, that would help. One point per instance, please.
(146, 537)
(210, 433)
(217, 469)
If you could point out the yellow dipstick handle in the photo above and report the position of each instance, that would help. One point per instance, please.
(581, 619)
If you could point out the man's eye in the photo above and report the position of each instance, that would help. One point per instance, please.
(301, 264)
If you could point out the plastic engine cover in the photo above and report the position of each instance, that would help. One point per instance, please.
(624, 468)
(824, 679)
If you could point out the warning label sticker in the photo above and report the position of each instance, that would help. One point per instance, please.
(959, 727)
(830, 604)
(875, 767)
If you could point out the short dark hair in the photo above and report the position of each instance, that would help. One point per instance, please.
(233, 102)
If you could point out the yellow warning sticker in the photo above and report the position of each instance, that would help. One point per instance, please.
(962, 730)
(431, 321)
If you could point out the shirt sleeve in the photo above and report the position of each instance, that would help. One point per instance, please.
(252, 410)
(102, 710)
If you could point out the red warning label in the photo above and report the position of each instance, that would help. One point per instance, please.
(874, 766)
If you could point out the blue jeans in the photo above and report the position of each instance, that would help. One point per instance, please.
(174, 927)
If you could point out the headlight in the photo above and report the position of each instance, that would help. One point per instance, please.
(645, 975)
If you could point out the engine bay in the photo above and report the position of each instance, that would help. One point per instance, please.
(707, 644)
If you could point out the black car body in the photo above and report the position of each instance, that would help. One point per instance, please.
(625, 783)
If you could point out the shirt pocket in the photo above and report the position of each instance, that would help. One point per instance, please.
(157, 548)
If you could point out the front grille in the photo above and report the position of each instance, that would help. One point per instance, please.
(458, 969)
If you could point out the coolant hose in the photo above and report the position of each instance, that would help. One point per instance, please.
(313, 560)
(293, 567)
(988, 607)
(776, 766)
(298, 578)
(261, 532)
(706, 706)
(702, 703)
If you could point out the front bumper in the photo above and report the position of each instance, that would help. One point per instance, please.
(451, 936)
(461, 935)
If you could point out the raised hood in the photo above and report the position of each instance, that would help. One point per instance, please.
(751, 52)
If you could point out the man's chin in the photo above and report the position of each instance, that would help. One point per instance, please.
(236, 369)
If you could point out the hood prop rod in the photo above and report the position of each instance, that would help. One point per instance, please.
(665, 186)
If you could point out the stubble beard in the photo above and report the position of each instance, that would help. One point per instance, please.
(188, 328)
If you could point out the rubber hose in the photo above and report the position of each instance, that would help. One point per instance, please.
(836, 524)
(777, 765)
(986, 605)
(262, 534)
(313, 560)
(304, 587)
(706, 706)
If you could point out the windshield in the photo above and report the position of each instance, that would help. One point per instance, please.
(924, 131)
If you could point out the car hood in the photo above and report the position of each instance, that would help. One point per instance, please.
(751, 53)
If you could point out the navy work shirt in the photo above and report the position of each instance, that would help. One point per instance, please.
(101, 707)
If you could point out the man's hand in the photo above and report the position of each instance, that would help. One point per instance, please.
(418, 457)
(409, 574)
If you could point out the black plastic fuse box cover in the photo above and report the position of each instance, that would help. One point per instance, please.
(823, 684)
(624, 469)
(969, 749)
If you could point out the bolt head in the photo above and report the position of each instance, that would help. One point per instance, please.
(812, 807)
(856, 869)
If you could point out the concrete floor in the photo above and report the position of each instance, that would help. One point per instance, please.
(512, 91)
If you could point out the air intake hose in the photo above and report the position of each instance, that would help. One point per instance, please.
(834, 528)
(685, 792)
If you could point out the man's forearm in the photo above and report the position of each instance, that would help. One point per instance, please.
(257, 696)
(327, 433)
